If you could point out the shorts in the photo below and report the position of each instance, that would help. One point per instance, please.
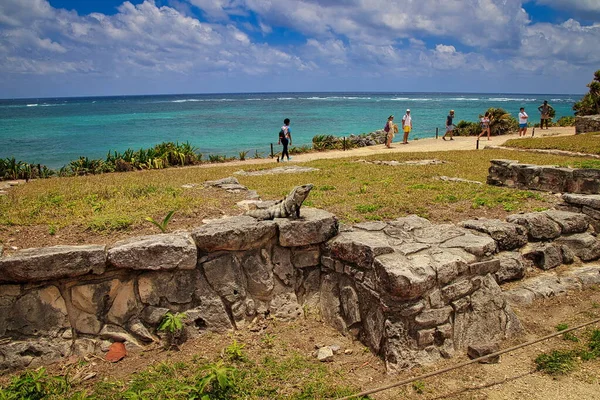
(522, 126)
(449, 128)
(406, 128)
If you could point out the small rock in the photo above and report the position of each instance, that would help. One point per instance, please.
(325, 354)
(480, 350)
(348, 351)
(116, 352)
(335, 348)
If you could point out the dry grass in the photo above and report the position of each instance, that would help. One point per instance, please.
(119, 202)
(584, 143)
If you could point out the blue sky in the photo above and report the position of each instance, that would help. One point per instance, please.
(55, 48)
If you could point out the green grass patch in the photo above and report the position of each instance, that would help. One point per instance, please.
(584, 143)
(556, 362)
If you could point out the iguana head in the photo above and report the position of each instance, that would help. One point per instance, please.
(301, 193)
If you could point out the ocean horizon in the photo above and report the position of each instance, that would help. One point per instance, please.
(54, 131)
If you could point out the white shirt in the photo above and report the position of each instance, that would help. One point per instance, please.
(407, 120)
(523, 117)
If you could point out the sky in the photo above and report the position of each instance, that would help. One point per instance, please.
(58, 48)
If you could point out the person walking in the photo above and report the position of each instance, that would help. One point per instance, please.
(522, 122)
(285, 138)
(389, 130)
(406, 126)
(545, 109)
(485, 125)
(449, 125)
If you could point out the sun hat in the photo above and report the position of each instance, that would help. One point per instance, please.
(408, 110)
(391, 116)
(451, 111)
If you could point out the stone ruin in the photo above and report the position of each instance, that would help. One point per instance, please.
(587, 123)
(412, 291)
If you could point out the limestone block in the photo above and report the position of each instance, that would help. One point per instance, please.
(39, 312)
(407, 309)
(359, 248)
(285, 307)
(555, 179)
(589, 200)
(176, 287)
(425, 337)
(87, 323)
(508, 236)
(512, 267)
(526, 175)
(153, 315)
(539, 225)
(410, 223)
(433, 318)
(589, 276)
(8, 294)
(138, 328)
(567, 254)
(124, 304)
(34, 265)
(316, 226)
(330, 302)
(457, 290)
(226, 277)
(118, 334)
(155, 252)
(234, 233)
(405, 277)
(569, 222)
(461, 305)
(31, 353)
(483, 349)
(282, 264)
(489, 319)
(520, 296)
(546, 286)
(483, 268)
(84, 347)
(436, 300)
(371, 226)
(448, 265)
(585, 180)
(259, 276)
(583, 245)
(435, 234)
(409, 248)
(350, 304)
(306, 257)
(478, 245)
(94, 298)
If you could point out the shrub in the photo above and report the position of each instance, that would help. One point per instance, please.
(557, 362)
(590, 103)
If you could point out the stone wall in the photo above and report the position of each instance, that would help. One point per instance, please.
(66, 300)
(412, 291)
(549, 178)
(588, 123)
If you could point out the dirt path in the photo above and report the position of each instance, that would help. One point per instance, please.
(413, 146)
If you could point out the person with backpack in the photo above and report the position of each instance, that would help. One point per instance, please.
(406, 126)
(389, 130)
(285, 138)
(449, 125)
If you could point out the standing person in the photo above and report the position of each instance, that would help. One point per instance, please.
(449, 125)
(485, 125)
(545, 110)
(406, 126)
(389, 130)
(522, 122)
(285, 138)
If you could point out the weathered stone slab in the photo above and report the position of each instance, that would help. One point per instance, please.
(569, 222)
(306, 257)
(590, 200)
(176, 287)
(259, 276)
(544, 256)
(539, 225)
(282, 264)
(39, 312)
(483, 349)
(433, 318)
(508, 236)
(589, 276)
(483, 268)
(437, 233)
(585, 180)
(315, 226)
(32, 353)
(371, 226)
(359, 247)
(124, 305)
(226, 277)
(526, 175)
(235, 233)
(478, 245)
(512, 267)
(34, 265)
(555, 179)
(583, 245)
(448, 266)
(155, 252)
(405, 277)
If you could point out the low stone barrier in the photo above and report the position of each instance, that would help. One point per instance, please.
(412, 291)
(588, 123)
(547, 178)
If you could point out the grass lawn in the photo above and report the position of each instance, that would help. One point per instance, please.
(584, 143)
(102, 208)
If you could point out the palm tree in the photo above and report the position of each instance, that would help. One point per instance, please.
(501, 122)
(590, 103)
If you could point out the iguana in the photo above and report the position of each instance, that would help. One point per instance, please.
(289, 207)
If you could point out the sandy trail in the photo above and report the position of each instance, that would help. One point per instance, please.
(413, 146)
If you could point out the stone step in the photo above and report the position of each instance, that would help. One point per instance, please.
(551, 284)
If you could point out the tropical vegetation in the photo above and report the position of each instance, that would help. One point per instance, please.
(590, 103)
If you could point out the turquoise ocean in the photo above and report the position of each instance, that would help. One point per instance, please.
(54, 131)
